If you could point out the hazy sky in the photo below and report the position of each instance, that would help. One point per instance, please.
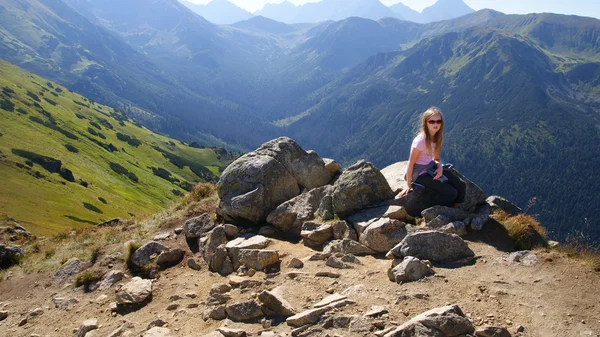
(577, 7)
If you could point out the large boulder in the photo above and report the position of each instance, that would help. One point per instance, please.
(136, 291)
(359, 186)
(145, 253)
(72, 267)
(409, 269)
(497, 202)
(259, 181)
(418, 200)
(198, 226)
(449, 321)
(433, 246)
(289, 216)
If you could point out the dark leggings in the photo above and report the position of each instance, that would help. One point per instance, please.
(448, 193)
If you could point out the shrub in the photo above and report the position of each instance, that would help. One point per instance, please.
(48, 163)
(49, 84)
(95, 255)
(92, 208)
(524, 229)
(34, 96)
(7, 105)
(131, 248)
(96, 125)
(49, 253)
(57, 89)
(50, 101)
(87, 277)
(21, 111)
(102, 200)
(71, 148)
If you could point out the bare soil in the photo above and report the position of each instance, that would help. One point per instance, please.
(555, 296)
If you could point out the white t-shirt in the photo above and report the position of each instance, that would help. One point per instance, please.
(419, 144)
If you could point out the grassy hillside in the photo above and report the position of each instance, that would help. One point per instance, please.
(67, 161)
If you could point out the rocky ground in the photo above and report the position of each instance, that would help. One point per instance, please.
(543, 293)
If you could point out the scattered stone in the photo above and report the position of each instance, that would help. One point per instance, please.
(121, 330)
(295, 263)
(220, 288)
(329, 300)
(314, 315)
(110, 278)
(217, 313)
(86, 326)
(101, 299)
(497, 202)
(3, 315)
(64, 303)
(410, 269)
(228, 332)
(193, 264)
(383, 234)
(110, 259)
(275, 304)
(72, 267)
(451, 213)
(267, 231)
(364, 218)
(328, 274)
(443, 321)
(172, 306)
(111, 223)
(347, 246)
(350, 259)
(439, 221)
(231, 230)
(334, 262)
(319, 257)
(10, 255)
(492, 331)
(136, 291)
(217, 299)
(258, 259)
(170, 258)
(145, 253)
(157, 332)
(524, 257)
(343, 230)
(456, 227)
(162, 237)
(244, 311)
(243, 282)
(246, 241)
(198, 226)
(178, 230)
(315, 234)
(433, 246)
(36, 312)
(376, 310)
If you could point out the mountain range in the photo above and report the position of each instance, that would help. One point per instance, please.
(225, 12)
(520, 92)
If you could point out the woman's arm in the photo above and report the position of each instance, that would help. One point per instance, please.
(414, 154)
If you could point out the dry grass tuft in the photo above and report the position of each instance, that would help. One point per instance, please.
(525, 230)
(579, 245)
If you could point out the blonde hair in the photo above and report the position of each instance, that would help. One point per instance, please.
(438, 139)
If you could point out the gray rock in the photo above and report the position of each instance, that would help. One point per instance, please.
(267, 231)
(110, 259)
(276, 304)
(290, 215)
(410, 269)
(198, 226)
(439, 221)
(247, 241)
(256, 183)
(110, 278)
(456, 227)
(364, 218)
(347, 246)
(433, 246)
(220, 288)
(72, 267)
(213, 255)
(111, 223)
(492, 331)
(478, 222)
(343, 230)
(453, 214)
(296, 263)
(394, 174)
(162, 237)
(193, 264)
(334, 262)
(315, 233)
(359, 186)
(439, 322)
(497, 202)
(157, 332)
(121, 330)
(312, 316)
(329, 300)
(383, 234)
(217, 313)
(86, 326)
(376, 310)
(244, 311)
(3, 315)
(136, 291)
(217, 299)
(350, 259)
(332, 166)
(258, 259)
(64, 303)
(228, 332)
(170, 258)
(145, 253)
(231, 230)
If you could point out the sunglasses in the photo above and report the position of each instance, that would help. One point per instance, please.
(437, 121)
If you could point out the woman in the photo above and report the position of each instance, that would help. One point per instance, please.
(425, 167)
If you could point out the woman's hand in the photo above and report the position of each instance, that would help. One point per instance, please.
(404, 191)
(438, 172)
